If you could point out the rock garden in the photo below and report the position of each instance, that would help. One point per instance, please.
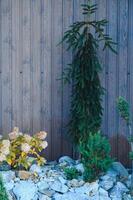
(94, 175)
(53, 182)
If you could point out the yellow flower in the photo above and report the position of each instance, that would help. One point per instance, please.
(44, 144)
(25, 147)
(2, 157)
(41, 135)
(27, 137)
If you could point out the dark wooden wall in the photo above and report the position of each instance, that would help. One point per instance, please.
(31, 62)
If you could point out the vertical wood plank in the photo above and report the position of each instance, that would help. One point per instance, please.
(46, 64)
(6, 65)
(56, 73)
(112, 79)
(35, 64)
(101, 14)
(123, 25)
(1, 67)
(67, 89)
(26, 64)
(130, 57)
(16, 102)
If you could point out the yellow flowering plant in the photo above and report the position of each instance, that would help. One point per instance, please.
(19, 148)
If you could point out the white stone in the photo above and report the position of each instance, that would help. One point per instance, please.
(7, 176)
(107, 182)
(66, 159)
(127, 197)
(103, 194)
(25, 190)
(75, 183)
(118, 190)
(58, 187)
(9, 185)
(92, 189)
(62, 180)
(42, 186)
(80, 167)
(35, 169)
(120, 169)
(71, 196)
(44, 197)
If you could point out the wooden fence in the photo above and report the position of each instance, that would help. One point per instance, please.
(31, 62)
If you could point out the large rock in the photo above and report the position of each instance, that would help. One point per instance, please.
(66, 159)
(25, 190)
(59, 187)
(107, 182)
(118, 190)
(120, 169)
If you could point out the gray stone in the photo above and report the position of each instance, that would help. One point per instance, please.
(25, 190)
(127, 197)
(66, 159)
(118, 190)
(75, 183)
(35, 169)
(90, 189)
(71, 196)
(103, 194)
(49, 193)
(59, 187)
(107, 182)
(62, 180)
(9, 185)
(120, 169)
(44, 197)
(8, 176)
(80, 167)
(42, 186)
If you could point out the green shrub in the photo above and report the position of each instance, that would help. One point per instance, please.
(3, 194)
(71, 173)
(95, 155)
(83, 73)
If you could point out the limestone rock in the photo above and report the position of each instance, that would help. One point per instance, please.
(25, 190)
(58, 187)
(120, 169)
(24, 175)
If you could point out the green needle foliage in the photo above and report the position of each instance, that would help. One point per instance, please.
(3, 194)
(71, 173)
(83, 73)
(95, 156)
